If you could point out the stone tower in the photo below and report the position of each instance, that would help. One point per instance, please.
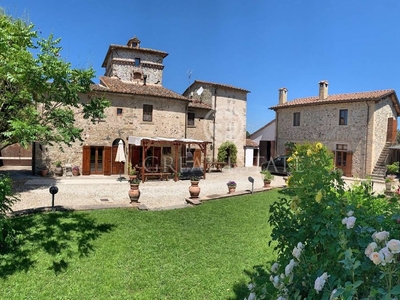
(131, 63)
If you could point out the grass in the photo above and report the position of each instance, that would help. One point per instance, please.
(206, 252)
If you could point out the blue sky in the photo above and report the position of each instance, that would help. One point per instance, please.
(258, 45)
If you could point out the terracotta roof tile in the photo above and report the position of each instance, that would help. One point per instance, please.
(217, 84)
(361, 96)
(115, 85)
(198, 104)
(251, 143)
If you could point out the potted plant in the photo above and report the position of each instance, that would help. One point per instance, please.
(75, 171)
(134, 192)
(194, 189)
(231, 186)
(267, 177)
(58, 171)
(44, 171)
(132, 172)
(389, 182)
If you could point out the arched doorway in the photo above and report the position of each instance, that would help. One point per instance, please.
(117, 167)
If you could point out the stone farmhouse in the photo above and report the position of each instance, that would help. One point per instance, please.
(358, 127)
(158, 127)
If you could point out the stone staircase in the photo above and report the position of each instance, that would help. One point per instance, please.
(379, 171)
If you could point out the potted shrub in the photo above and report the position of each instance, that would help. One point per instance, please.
(393, 168)
(75, 171)
(194, 189)
(231, 186)
(58, 171)
(267, 177)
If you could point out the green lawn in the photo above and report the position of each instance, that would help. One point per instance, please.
(205, 252)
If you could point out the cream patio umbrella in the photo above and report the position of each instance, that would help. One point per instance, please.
(120, 157)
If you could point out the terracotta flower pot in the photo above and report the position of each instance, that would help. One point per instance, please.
(43, 172)
(134, 193)
(231, 189)
(194, 189)
(58, 171)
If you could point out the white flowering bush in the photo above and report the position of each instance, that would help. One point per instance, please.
(331, 243)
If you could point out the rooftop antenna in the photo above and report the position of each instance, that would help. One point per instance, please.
(189, 73)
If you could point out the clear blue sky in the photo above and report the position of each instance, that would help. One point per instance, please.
(258, 45)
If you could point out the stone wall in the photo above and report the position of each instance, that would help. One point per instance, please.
(168, 121)
(230, 117)
(321, 123)
(121, 64)
(383, 111)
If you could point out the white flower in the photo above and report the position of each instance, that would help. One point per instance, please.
(350, 222)
(376, 257)
(252, 296)
(370, 248)
(275, 267)
(333, 293)
(350, 213)
(394, 246)
(276, 281)
(320, 282)
(281, 298)
(300, 245)
(296, 252)
(250, 286)
(289, 267)
(380, 236)
(387, 255)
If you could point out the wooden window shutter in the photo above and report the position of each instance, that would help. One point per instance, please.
(391, 130)
(394, 130)
(86, 160)
(107, 160)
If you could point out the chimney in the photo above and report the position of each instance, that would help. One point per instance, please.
(323, 89)
(282, 95)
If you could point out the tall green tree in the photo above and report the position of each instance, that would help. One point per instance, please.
(39, 91)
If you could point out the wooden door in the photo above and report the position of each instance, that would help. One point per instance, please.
(197, 158)
(391, 130)
(86, 160)
(135, 155)
(107, 156)
(344, 161)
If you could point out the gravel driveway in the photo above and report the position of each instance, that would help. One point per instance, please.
(97, 191)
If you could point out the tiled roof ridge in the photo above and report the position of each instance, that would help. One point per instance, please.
(346, 94)
(115, 85)
(198, 104)
(344, 97)
(139, 49)
(221, 85)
